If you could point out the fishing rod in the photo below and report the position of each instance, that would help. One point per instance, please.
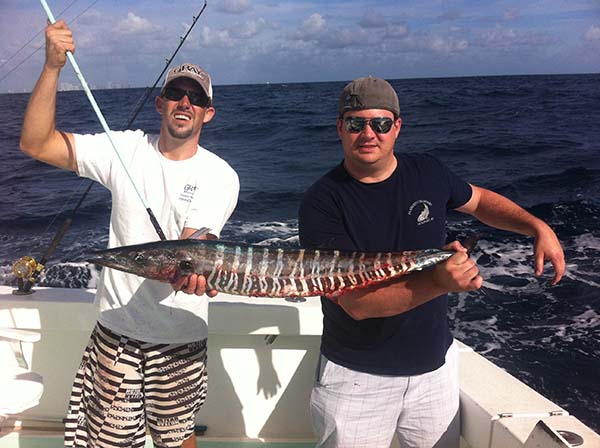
(104, 124)
(168, 62)
(27, 269)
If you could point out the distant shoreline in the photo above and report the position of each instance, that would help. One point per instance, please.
(70, 87)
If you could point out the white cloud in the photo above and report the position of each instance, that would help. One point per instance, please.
(134, 25)
(397, 31)
(310, 29)
(500, 37)
(314, 24)
(316, 32)
(592, 34)
(91, 17)
(344, 38)
(215, 38)
(372, 19)
(233, 6)
(440, 45)
(249, 29)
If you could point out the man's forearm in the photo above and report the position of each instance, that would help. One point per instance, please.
(500, 212)
(391, 298)
(457, 274)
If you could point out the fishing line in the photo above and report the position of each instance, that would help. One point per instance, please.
(27, 269)
(74, 193)
(36, 35)
(41, 46)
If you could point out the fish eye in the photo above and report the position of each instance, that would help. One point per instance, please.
(186, 266)
(138, 258)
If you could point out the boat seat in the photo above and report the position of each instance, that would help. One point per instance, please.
(20, 388)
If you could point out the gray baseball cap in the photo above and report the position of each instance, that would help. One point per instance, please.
(195, 73)
(369, 93)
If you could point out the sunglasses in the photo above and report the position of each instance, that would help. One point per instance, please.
(196, 98)
(381, 125)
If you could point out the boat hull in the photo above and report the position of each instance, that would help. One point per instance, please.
(261, 360)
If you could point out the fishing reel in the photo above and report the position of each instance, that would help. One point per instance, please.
(26, 269)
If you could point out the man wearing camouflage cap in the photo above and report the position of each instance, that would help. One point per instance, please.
(145, 364)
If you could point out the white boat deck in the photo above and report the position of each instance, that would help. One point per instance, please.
(262, 354)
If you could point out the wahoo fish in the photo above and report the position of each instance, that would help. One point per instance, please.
(265, 271)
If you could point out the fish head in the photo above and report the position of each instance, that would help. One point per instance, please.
(161, 264)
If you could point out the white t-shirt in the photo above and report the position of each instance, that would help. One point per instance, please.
(201, 191)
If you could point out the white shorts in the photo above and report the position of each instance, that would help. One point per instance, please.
(123, 384)
(352, 409)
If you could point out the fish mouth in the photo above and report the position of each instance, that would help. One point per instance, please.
(110, 259)
(130, 262)
(100, 259)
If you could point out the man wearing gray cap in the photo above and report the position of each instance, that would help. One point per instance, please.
(145, 363)
(388, 362)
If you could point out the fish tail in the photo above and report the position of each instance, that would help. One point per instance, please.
(471, 242)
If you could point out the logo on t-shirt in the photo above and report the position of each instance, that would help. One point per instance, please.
(188, 193)
(421, 210)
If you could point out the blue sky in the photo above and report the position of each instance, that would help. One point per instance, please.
(125, 43)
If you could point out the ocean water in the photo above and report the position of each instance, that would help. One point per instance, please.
(535, 139)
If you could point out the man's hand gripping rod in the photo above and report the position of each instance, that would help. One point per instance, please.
(88, 92)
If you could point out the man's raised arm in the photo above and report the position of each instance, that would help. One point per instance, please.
(39, 137)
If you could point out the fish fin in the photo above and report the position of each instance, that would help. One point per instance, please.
(198, 233)
(471, 242)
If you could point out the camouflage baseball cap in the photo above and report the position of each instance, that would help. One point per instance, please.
(195, 73)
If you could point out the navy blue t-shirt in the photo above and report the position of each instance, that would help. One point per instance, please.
(407, 211)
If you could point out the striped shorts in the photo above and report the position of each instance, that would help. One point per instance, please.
(123, 384)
